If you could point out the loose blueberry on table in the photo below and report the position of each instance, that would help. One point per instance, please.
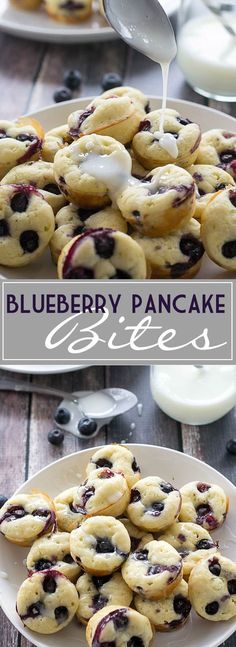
(73, 79)
(111, 80)
(62, 416)
(55, 437)
(62, 94)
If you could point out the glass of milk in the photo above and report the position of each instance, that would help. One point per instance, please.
(194, 395)
(207, 47)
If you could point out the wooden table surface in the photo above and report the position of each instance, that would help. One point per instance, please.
(29, 74)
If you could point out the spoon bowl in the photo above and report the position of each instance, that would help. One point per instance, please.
(144, 25)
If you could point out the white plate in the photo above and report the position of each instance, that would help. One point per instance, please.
(55, 115)
(36, 25)
(167, 463)
(42, 369)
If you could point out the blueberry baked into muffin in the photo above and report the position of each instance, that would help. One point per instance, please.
(26, 225)
(118, 458)
(154, 504)
(104, 492)
(212, 588)
(153, 571)
(113, 116)
(168, 613)
(100, 545)
(96, 592)
(203, 503)
(26, 517)
(102, 254)
(72, 221)
(52, 552)
(119, 627)
(47, 602)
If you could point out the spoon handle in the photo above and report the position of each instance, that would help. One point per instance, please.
(17, 385)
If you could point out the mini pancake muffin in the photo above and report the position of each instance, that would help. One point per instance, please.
(26, 517)
(85, 170)
(154, 504)
(20, 142)
(114, 116)
(162, 202)
(204, 503)
(40, 175)
(47, 602)
(175, 255)
(191, 541)
(52, 552)
(212, 588)
(26, 225)
(153, 571)
(146, 144)
(102, 254)
(72, 221)
(168, 613)
(218, 147)
(209, 180)
(69, 11)
(54, 140)
(68, 516)
(118, 458)
(139, 99)
(97, 592)
(104, 492)
(119, 626)
(100, 545)
(218, 229)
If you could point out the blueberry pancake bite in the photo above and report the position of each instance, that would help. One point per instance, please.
(176, 255)
(154, 504)
(71, 221)
(191, 541)
(85, 170)
(138, 537)
(68, 516)
(26, 517)
(162, 202)
(54, 140)
(104, 492)
(147, 142)
(117, 458)
(52, 552)
(102, 254)
(20, 142)
(209, 179)
(47, 602)
(168, 613)
(218, 229)
(153, 571)
(212, 588)
(28, 5)
(204, 503)
(68, 11)
(96, 592)
(139, 99)
(40, 175)
(100, 545)
(26, 225)
(218, 147)
(113, 116)
(119, 626)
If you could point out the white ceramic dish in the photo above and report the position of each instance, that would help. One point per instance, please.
(171, 465)
(55, 115)
(36, 25)
(42, 369)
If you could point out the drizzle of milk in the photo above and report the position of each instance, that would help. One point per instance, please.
(166, 141)
(114, 170)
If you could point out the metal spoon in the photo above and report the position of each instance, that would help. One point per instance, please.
(144, 25)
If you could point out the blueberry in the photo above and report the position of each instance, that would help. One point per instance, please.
(35, 610)
(215, 568)
(135, 466)
(99, 581)
(111, 80)
(103, 462)
(43, 565)
(229, 249)
(166, 487)
(156, 508)
(203, 487)
(182, 606)
(104, 245)
(87, 426)
(62, 94)
(29, 241)
(121, 621)
(19, 202)
(99, 601)
(121, 274)
(62, 416)
(79, 273)
(104, 545)
(204, 544)
(55, 436)
(191, 246)
(3, 499)
(141, 555)
(135, 641)
(68, 559)
(61, 614)
(4, 228)
(72, 79)
(49, 584)
(231, 446)
(232, 587)
(135, 496)
(52, 188)
(212, 608)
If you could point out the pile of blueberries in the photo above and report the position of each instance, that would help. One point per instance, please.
(72, 81)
